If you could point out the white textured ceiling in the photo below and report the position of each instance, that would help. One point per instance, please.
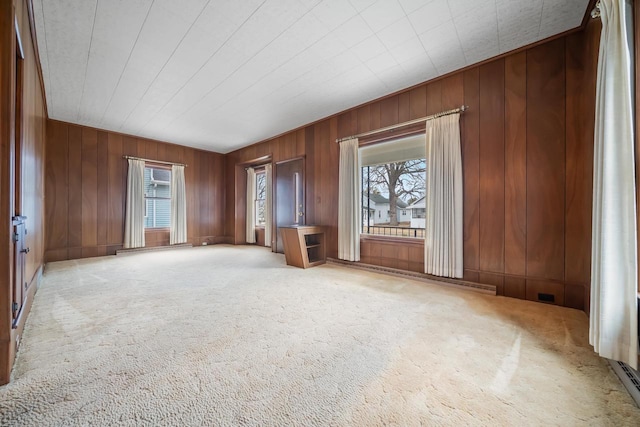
(222, 74)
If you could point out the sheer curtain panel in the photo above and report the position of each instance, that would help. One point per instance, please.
(613, 320)
(178, 233)
(134, 216)
(268, 205)
(349, 200)
(251, 206)
(443, 228)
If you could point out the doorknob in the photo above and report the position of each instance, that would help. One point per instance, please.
(25, 250)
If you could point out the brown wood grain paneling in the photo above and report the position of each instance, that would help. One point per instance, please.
(364, 119)
(496, 280)
(492, 167)
(374, 116)
(546, 160)
(434, 97)
(89, 187)
(75, 186)
(574, 296)
(581, 65)
(515, 214)
(404, 107)
(418, 100)
(470, 128)
(452, 92)
(100, 188)
(389, 111)
(103, 189)
(515, 287)
(116, 195)
(57, 188)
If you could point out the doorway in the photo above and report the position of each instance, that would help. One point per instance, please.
(289, 197)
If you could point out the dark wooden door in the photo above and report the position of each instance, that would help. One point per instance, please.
(289, 196)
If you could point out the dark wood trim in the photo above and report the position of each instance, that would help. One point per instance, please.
(408, 241)
(290, 160)
(636, 29)
(36, 50)
(7, 140)
(391, 135)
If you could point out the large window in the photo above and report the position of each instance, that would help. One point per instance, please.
(261, 195)
(393, 187)
(157, 195)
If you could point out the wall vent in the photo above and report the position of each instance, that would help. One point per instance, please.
(629, 377)
(546, 297)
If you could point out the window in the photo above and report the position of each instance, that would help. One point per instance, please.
(157, 195)
(261, 195)
(393, 181)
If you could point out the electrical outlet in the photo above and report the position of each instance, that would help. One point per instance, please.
(204, 243)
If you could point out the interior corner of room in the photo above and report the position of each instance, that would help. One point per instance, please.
(530, 164)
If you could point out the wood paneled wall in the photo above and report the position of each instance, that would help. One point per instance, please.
(31, 135)
(527, 144)
(86, 190)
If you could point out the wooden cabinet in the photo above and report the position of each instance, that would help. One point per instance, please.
(304, 245)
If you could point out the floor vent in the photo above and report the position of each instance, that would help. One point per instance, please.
(460, 284)
(629, 377)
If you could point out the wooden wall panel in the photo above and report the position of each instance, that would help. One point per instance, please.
(581, 78)
(492, 167)
(89, 187)
(546, 160)
(515, 214)
(470, 128)
(103, 189)
(75, 186)
(86, 190)
(57, 188)
(418, 101)
(115, 197)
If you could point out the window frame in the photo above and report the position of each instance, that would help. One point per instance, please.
(260, 173)
(389, 138)
(151, 165)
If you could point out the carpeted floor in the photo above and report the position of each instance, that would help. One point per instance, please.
(229, 335)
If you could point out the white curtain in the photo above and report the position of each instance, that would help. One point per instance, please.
(613, 320)
(349, 201)
(134, 216)
(178, 233)
(251, 205)
(443, 236)
(268, 206)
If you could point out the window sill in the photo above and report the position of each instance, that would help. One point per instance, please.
(412, 241)
(149, 229)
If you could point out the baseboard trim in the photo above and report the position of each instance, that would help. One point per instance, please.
(153, 249)
(458, 284)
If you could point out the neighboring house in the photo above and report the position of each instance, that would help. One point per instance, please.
(380, 209)
(157, 212)
(418, 213)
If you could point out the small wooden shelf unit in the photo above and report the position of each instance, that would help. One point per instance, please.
(304, 245)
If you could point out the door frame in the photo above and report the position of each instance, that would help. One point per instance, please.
(274, 233)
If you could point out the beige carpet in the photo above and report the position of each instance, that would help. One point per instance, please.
(231, 336)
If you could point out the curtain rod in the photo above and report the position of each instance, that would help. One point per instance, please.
(461, 109)
(154, 161)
